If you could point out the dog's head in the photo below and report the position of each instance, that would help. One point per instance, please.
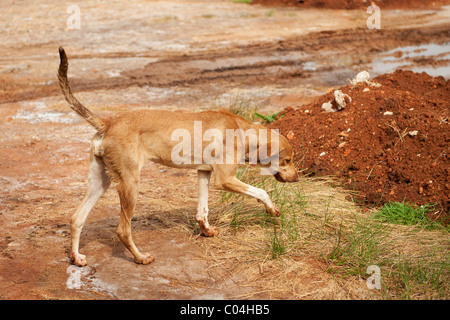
(287, 172)
(281, 160)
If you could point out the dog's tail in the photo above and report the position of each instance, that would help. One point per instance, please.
(98, 123)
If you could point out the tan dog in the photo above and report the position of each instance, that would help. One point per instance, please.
(124, 140)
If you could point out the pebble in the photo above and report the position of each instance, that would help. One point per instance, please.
(340, 97)
(328, 107)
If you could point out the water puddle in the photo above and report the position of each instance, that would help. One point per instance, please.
(431, 58)
(84, 279)
(38, 114)
(46, 116)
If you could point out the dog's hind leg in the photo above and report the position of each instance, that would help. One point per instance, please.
(98, 183)
(202, 209)
(128, 193)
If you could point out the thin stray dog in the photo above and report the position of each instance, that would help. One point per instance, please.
(123, 141)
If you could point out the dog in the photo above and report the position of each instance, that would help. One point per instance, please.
(125, 140)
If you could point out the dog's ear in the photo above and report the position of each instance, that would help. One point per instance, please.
(269, 152)
(283, 153)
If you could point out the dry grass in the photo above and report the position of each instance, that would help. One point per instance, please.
(321, 246)
(281, 257)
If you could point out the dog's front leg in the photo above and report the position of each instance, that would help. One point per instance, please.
(260, 195)
(202, 209)
(226, 180)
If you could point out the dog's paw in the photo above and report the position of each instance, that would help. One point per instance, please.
(79, 260)
(210, 232)
(274, 211)
(145, 259)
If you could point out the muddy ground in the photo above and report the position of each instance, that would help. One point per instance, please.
(190, 55)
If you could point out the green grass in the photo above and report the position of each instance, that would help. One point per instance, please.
(357, 248)
(376, 239)
(243, 107)
(248, 110)
(425, 274)
(281, 232)
(411, 252)
(408, 214)
(269, 117)
(421, 277)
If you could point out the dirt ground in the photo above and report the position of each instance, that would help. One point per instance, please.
(178, 54)
(353, 4)
(391, 141)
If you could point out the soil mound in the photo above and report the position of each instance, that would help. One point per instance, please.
(390, 139)
(354, 4)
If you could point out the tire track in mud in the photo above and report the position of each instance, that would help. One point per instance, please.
(280, 62)
(284, 62)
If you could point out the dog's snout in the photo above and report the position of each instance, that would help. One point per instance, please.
(293, 178)
(286, 178)
(278, 177)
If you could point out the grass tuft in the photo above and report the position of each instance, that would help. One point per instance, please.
(318, 222)
(408, 214)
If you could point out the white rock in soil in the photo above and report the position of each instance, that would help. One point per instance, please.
(364, 77)
(328, 107)
(339, 97)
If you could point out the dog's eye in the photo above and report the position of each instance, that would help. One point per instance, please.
(288, 161)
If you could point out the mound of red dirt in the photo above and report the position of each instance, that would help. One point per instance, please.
(391, 141)
(354, 4)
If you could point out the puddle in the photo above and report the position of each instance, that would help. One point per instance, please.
(83, 278)
(40, 115)
(430, 58)
(45, 116)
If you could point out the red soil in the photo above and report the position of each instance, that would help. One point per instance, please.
(354, 4)
(388, 157)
